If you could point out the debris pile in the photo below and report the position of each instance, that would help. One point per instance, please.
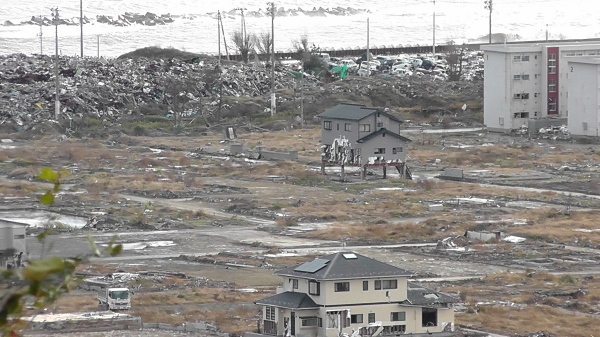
(108, 89)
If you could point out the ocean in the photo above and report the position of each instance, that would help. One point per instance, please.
(391, 23)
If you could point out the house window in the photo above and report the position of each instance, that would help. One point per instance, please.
(372, 317)
(501, 120)
(379, 124)
(358, 318)
(552, 104)
(521, 115)
(516, 77)
(398, 316)
(338, 126)
(397, 150)
(517, 96)
(294, 283)
(525, 58)
(386, 284)
(517, 58)
(525, 95)
(347, 127)
(364, 128)
(380, 150)
(525, 77)
(552, 85)
(314, 288)
(584, 126)
(552, 64)
(310, 321)
(19, 236)
(327, 125)
(341, 286)
(365, 285)
(270, 313)
(337, 319)
(429, 316)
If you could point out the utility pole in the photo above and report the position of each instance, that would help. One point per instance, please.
(219, 34)
(433, 49)
(224, 40)
(81, 24)
(368, 53)
(55, 18)
(40, 35)
(488, 5)
(273, 98)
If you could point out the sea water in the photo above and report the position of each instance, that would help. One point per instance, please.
(391, 23)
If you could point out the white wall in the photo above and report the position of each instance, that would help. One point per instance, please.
(583, 99)
(496, 91)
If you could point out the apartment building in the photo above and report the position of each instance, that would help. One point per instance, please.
(530, 81)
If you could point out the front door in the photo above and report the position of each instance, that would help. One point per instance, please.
(293, 323)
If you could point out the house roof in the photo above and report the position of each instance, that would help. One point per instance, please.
(418, 295)
(343, 265)
(353, 112)
(382, 131)
(289, 300)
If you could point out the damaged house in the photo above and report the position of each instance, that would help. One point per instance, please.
(348, 294)
(356, 135)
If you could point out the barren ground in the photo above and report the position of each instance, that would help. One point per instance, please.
(214, 224)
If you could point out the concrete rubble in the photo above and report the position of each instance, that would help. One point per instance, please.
(109, 89)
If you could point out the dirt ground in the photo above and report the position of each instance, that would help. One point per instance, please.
(210, 226)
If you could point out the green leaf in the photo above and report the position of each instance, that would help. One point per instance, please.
(93, 246)
(38, 270)
(47, 199)
(49, 175)
(116, 250)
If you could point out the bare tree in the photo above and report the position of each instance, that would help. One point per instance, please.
(244, 43)
(263, 44)
(302, 47)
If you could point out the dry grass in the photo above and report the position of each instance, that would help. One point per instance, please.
(531, 319)
(551, 225)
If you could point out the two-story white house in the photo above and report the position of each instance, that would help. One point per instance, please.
(356, 135)
(348, 293)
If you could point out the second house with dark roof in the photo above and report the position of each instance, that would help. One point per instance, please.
(356, 135)
(350, 294)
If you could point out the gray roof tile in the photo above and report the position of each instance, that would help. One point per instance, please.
(340, 267)
(289, 300)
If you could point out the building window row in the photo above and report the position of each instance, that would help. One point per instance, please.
(380, 150)
(521, 58)
(398, 316)
(523, 77)
(551, 104)
(523, 95)
(364, 128)
(327, 125)
(552, 64)
(552, 85)
(397, 150)
(521, 115)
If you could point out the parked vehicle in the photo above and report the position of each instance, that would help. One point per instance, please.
(367, 68)
(114, 298)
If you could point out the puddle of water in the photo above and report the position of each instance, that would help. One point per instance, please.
(41, 218)
(146, 244)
